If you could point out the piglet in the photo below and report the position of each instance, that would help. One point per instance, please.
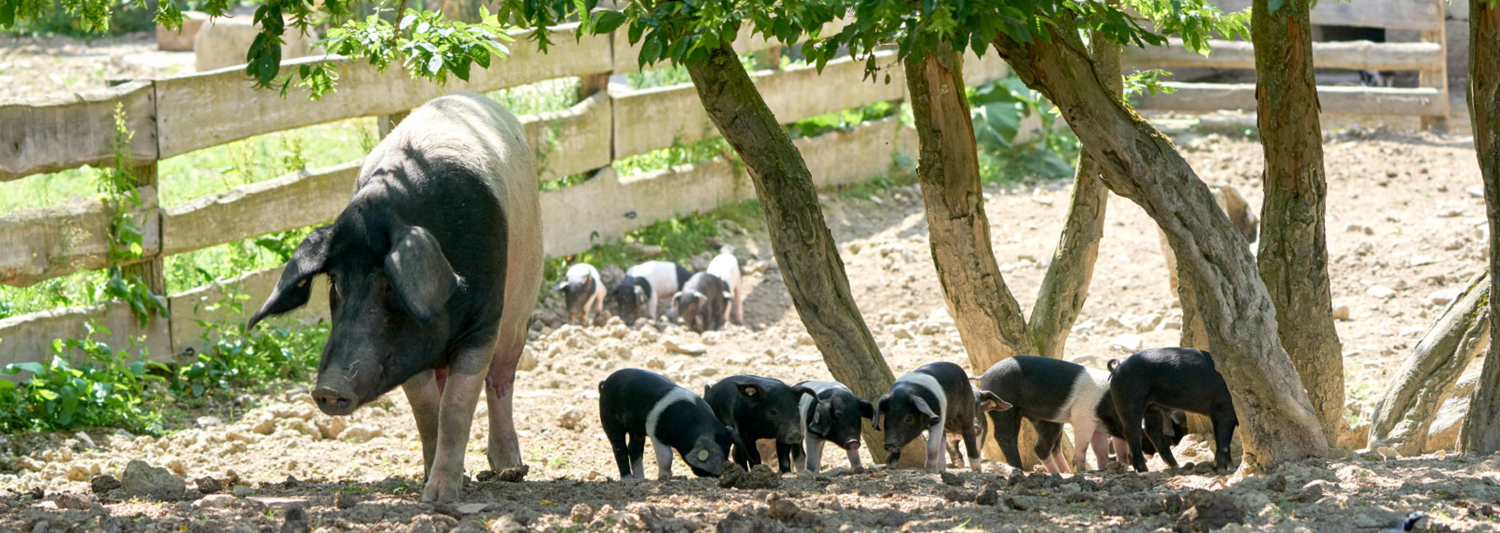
(638, 404)
(726, 266)
(583, 291)
(703, 302)
(1048, 392)
(1171, 378)
(759, 408)
(644, 285)
(936, 397)
(831, 414)
(984, 402)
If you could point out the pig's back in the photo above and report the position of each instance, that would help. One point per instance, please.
(727, 268)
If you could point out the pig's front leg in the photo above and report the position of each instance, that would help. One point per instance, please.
(466, 378)
(814, 447)
(853, 458)
(936, 448)
(425, 397)
(504, 446)
(1100, 442)
(663, 460)
(1122, 450)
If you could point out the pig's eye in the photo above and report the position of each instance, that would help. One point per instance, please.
(775, 413)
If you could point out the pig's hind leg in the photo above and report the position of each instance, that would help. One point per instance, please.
(617, 444)
(637, 451)
(504, 449)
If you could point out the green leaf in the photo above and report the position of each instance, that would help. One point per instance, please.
(651, 49)
(608, 21)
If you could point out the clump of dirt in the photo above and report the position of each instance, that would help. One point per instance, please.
(759, 477)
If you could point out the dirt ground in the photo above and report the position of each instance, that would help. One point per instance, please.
(31, 66)
(1402, 217)
(283, 462)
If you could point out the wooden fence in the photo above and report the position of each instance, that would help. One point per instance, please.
(174, 116)
(1429, 100)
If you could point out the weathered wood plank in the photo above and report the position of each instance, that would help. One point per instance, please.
(1357, 55)
(1209, 97)
(1394, 14)
(289, 202)
(658, 118)
(28, 338)
(618, 206)
(222, 106)
(193, 305)
(572, 140)
(63, 131)
(45, 243)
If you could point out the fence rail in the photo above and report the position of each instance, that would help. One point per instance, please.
(178, 115)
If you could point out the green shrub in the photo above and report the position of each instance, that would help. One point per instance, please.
(104, 387)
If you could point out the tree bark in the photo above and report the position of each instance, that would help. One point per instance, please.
(988, 317)
(1481, 431)
(1293, 245)
(804, 248)
(1141, 164)
(1066, 284)
(1404, 414)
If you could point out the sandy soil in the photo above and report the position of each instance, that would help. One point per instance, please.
(1402, 217)
(31, 66)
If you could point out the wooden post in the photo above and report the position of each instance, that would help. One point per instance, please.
(1436, 75)
(389, 122)
(768, 59)
(152, 271)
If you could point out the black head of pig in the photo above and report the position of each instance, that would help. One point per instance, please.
(697, 309)
(390, 286)
(764, 408)
(628, 299)
(903, 417)
(576, 293)
(709, 452)
(836, 418)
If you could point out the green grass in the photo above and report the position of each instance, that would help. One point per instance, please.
(540, 97)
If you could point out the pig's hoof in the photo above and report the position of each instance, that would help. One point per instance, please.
(443, 489)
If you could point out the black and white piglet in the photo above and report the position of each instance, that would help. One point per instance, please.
(641, 404)
(703, 302)
(937, 398)
(644, 285)
(1048, 392)
(759, 408)
(1171, 378)
(832, 415)
(984, 402)
(583, 291)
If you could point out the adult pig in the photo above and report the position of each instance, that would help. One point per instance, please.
(434, 270)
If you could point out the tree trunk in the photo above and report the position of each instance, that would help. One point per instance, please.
(1066, 284)
(989, 320)
(1141, 164)
(813, 272)
(1405, 411)
(1293, 245)
(1481, 431)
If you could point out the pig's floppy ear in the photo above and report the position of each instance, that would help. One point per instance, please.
(822, 419)
(419, 273)
(866, 409)
(799, 390)
(921, 405)
(560, 287)
(295, 285)
(880, 406)
(750, 390)
(988, 401)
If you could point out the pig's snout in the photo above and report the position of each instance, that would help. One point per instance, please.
(851, 445)
(891, 447)
(334, 402)
(791, 437)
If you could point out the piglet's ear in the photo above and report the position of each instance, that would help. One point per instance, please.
(420, 273)
(988, 401)
(749, 390)
(295, 286)
(880, 406)
(560, 286)
(822, 420)
(921, 405)
(800, 390)
(866, 409)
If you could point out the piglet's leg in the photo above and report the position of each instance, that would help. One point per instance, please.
(853, 458)
(1100, 442)
(466, 378)
(936, 448)
(423, 394)
(504, 446)
(1122, 451)
(814, 447)
(663, 460)
(1083, 436)
(1051, 463)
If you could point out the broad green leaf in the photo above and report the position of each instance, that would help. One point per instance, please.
(608, 21)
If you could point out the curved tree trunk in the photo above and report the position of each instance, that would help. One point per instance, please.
(1293, 244)
(1066, 285)
(1405, 411)
(1481, 430)
(804, 247)
(989, 320)
(1139, 163)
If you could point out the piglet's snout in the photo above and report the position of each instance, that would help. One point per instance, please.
(334, 402)
(790, 437)
(851, 445)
